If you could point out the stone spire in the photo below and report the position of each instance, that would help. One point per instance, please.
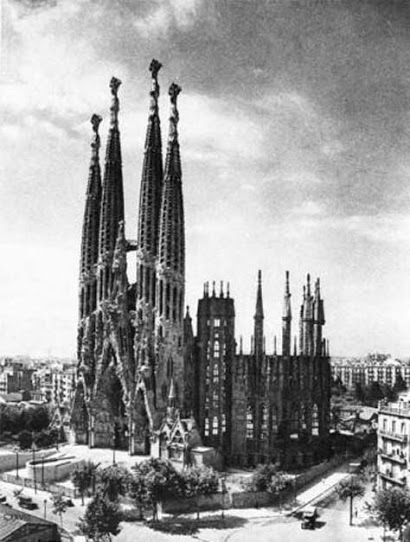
(112, 204)
(150, 199)
(318, 319)
(307, 321)
(172, 235)
(89, 240)
(258, 318)
(170, 269)
(286, 320)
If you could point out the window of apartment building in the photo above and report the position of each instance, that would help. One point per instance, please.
(206, 427)
(384, 424)
(393, 426)
(315, 420)
(403, 428)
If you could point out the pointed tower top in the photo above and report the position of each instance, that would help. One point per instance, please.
(295, 347)
(227, 289)
(96, 143)
(308, 284)
(287, 310)
(115, 106)
(173, 92)
(187, 315)
(259, 303)
(241, 344)
(154, 68)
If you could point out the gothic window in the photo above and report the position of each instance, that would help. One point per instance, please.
(167, 301)
(216, 349)
(264, 426)
(249, 423)
(294, 420)
(223, 423)
(216, 372)
(170, 367)
(206, 427)
(161, 297)
(274, 423)
(178, 437)
(175, 304)
(215, 425)
(315, 420)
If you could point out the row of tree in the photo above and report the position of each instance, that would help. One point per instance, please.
(14, 419)
(148, 484)
(370, 394)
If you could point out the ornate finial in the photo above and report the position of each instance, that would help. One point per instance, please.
(221, 289)
(95, 145)
(308, 283)
(274, 345)
(115, 106)
(259, 277)
(227, 289)
(95, 122)
(241, 344)
(287, 283)
(187, 311)
(213, 288)
(174, 90)
(154, 67)
(295, 347)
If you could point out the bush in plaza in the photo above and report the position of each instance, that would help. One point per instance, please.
(197, 481)
(262, 477)
(83, 477)
(25, 439)
(101, 519)
(113, 481)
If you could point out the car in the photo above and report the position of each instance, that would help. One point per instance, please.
(27, 502)
(309, 517)
(3, 498)
(69, 503)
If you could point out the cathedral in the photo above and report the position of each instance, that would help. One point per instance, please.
(146, 383)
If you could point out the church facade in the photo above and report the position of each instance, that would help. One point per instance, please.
(146, 383)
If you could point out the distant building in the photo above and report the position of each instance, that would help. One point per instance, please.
(55, 385)
(14, 378)
(18, 526)
(393, 443)
(368, 370)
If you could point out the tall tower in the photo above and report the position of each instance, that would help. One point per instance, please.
(318, 322)
(215, 351)
(112, 202)
(91, 222)
(258, 325)
(286, 320)
(307, 321)
(149, 209)
(170, 271)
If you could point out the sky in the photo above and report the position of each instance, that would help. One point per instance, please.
(295, 144)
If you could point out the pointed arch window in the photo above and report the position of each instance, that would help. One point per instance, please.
(264, 425)
(206, 427)
(215, 425)
(315, 420)
(249, 424)
(274, 423)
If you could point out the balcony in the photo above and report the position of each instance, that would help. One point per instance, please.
(395, 458)
(389, 478)
(393, 436)
(397, 411)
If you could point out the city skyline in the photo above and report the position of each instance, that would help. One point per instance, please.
(290, 160)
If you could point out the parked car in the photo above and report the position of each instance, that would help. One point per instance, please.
(309, 517)
(27, 502)
(69, 503)
(3, 498)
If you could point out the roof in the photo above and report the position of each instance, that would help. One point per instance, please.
(367, 413)
(11, 521)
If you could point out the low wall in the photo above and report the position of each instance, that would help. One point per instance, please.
(53, 469)
(28, 482)
(205, 502)
(8, 461)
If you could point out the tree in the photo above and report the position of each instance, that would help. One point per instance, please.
(161, 482)
(113, 481)
(392, 508)
(197, 481)
(399, 385)
(359, 393)
(59, 505)
(137, 488)
(350, 489)
(25, 439)
(262, 477)
(278, 483)
(82, 477)
(101, 519)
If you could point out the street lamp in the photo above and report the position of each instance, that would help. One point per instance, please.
(42, 470)
(17, 462)
(33, 448)
(45, 508)
(114, 443)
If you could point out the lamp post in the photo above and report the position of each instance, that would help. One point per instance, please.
(33, 448)
(114, 444)
(42, 470)
(45, 508)
(17, 463)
